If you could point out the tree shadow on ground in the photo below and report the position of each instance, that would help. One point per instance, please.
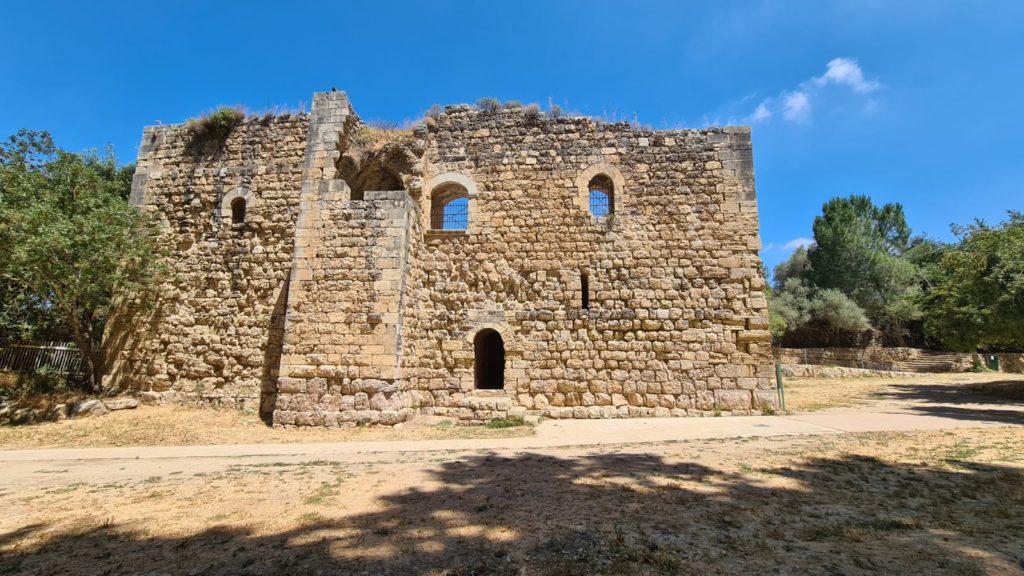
(964, 402)
(600, 514)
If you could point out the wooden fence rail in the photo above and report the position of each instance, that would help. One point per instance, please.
(26, 357)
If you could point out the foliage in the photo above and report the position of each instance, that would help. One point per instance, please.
(510, 422)
(208, 133)
(788, 307)
(824, 316)
(797, 266)
(861, 250)
(513, 104)
(70, 239)
(836, 311)
(488, 104)
(976, 294)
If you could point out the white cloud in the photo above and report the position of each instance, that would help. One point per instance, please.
(761, 114)
(847, 71)
(790, 246)
(800, 242)
(796, 105)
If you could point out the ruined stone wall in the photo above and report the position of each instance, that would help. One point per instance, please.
(214, 332)
(879, 358)
(341, 303)
(677, 319)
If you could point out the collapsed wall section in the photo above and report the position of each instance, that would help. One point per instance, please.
(212, 332)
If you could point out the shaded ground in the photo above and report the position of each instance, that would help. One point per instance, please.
(178, 426)
(940, 502)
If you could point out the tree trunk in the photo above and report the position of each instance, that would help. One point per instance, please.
(91, 355)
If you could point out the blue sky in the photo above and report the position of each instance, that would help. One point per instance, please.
(915, 102)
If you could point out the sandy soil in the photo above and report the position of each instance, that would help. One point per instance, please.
(812, 394)
(924, 502)
(178, 426)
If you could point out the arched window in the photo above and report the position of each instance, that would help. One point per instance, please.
(238, 210)
(602, 196)
(449, 207)
(489, 360)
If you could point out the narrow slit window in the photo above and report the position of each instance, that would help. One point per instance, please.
(585, 291)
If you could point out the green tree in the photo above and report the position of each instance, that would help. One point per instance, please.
(976, 293)
(69, 238)
(859, 250)
(837, 313)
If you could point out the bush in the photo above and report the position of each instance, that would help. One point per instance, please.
(837, 311)
(434, 112)
(488, 104)
(555, 110)
(510, 422)
(208, 133)
(513, 104)
(532, 112)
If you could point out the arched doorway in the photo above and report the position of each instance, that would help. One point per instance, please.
(489, 356)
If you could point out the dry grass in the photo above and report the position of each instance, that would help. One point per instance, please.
(811, 394)
(892, 503)
(176, 426)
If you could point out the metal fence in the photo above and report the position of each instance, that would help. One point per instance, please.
(28, 357)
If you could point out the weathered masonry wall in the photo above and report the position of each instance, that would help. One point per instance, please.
(676, 321)
(345, 304)
(213, 334)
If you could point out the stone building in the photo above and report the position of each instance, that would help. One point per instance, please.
(484, 263)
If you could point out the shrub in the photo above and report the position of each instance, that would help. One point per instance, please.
(532, 112)
(434, 112)
(209, 132)
(488, 104)
(554, 110)
(510, 422)
(513, 104)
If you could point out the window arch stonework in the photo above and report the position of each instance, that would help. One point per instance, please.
(229, 204)
(606, 175)
(442, 191)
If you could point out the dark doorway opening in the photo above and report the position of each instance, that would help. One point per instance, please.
(489, 350)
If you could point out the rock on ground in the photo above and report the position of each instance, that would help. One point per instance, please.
(90, 407)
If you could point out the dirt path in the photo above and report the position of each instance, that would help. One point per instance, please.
(921, 475)
(928, 403)
(934, 502)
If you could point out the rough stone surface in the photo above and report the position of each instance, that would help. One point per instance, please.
(896, 359)
(89, 407)
(337, 303)
(815, 371)
(121, 403)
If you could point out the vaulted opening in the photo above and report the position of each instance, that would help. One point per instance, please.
(371, 175)
(238, 211)
(602, 195)
(449, 207)
(489, 360)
